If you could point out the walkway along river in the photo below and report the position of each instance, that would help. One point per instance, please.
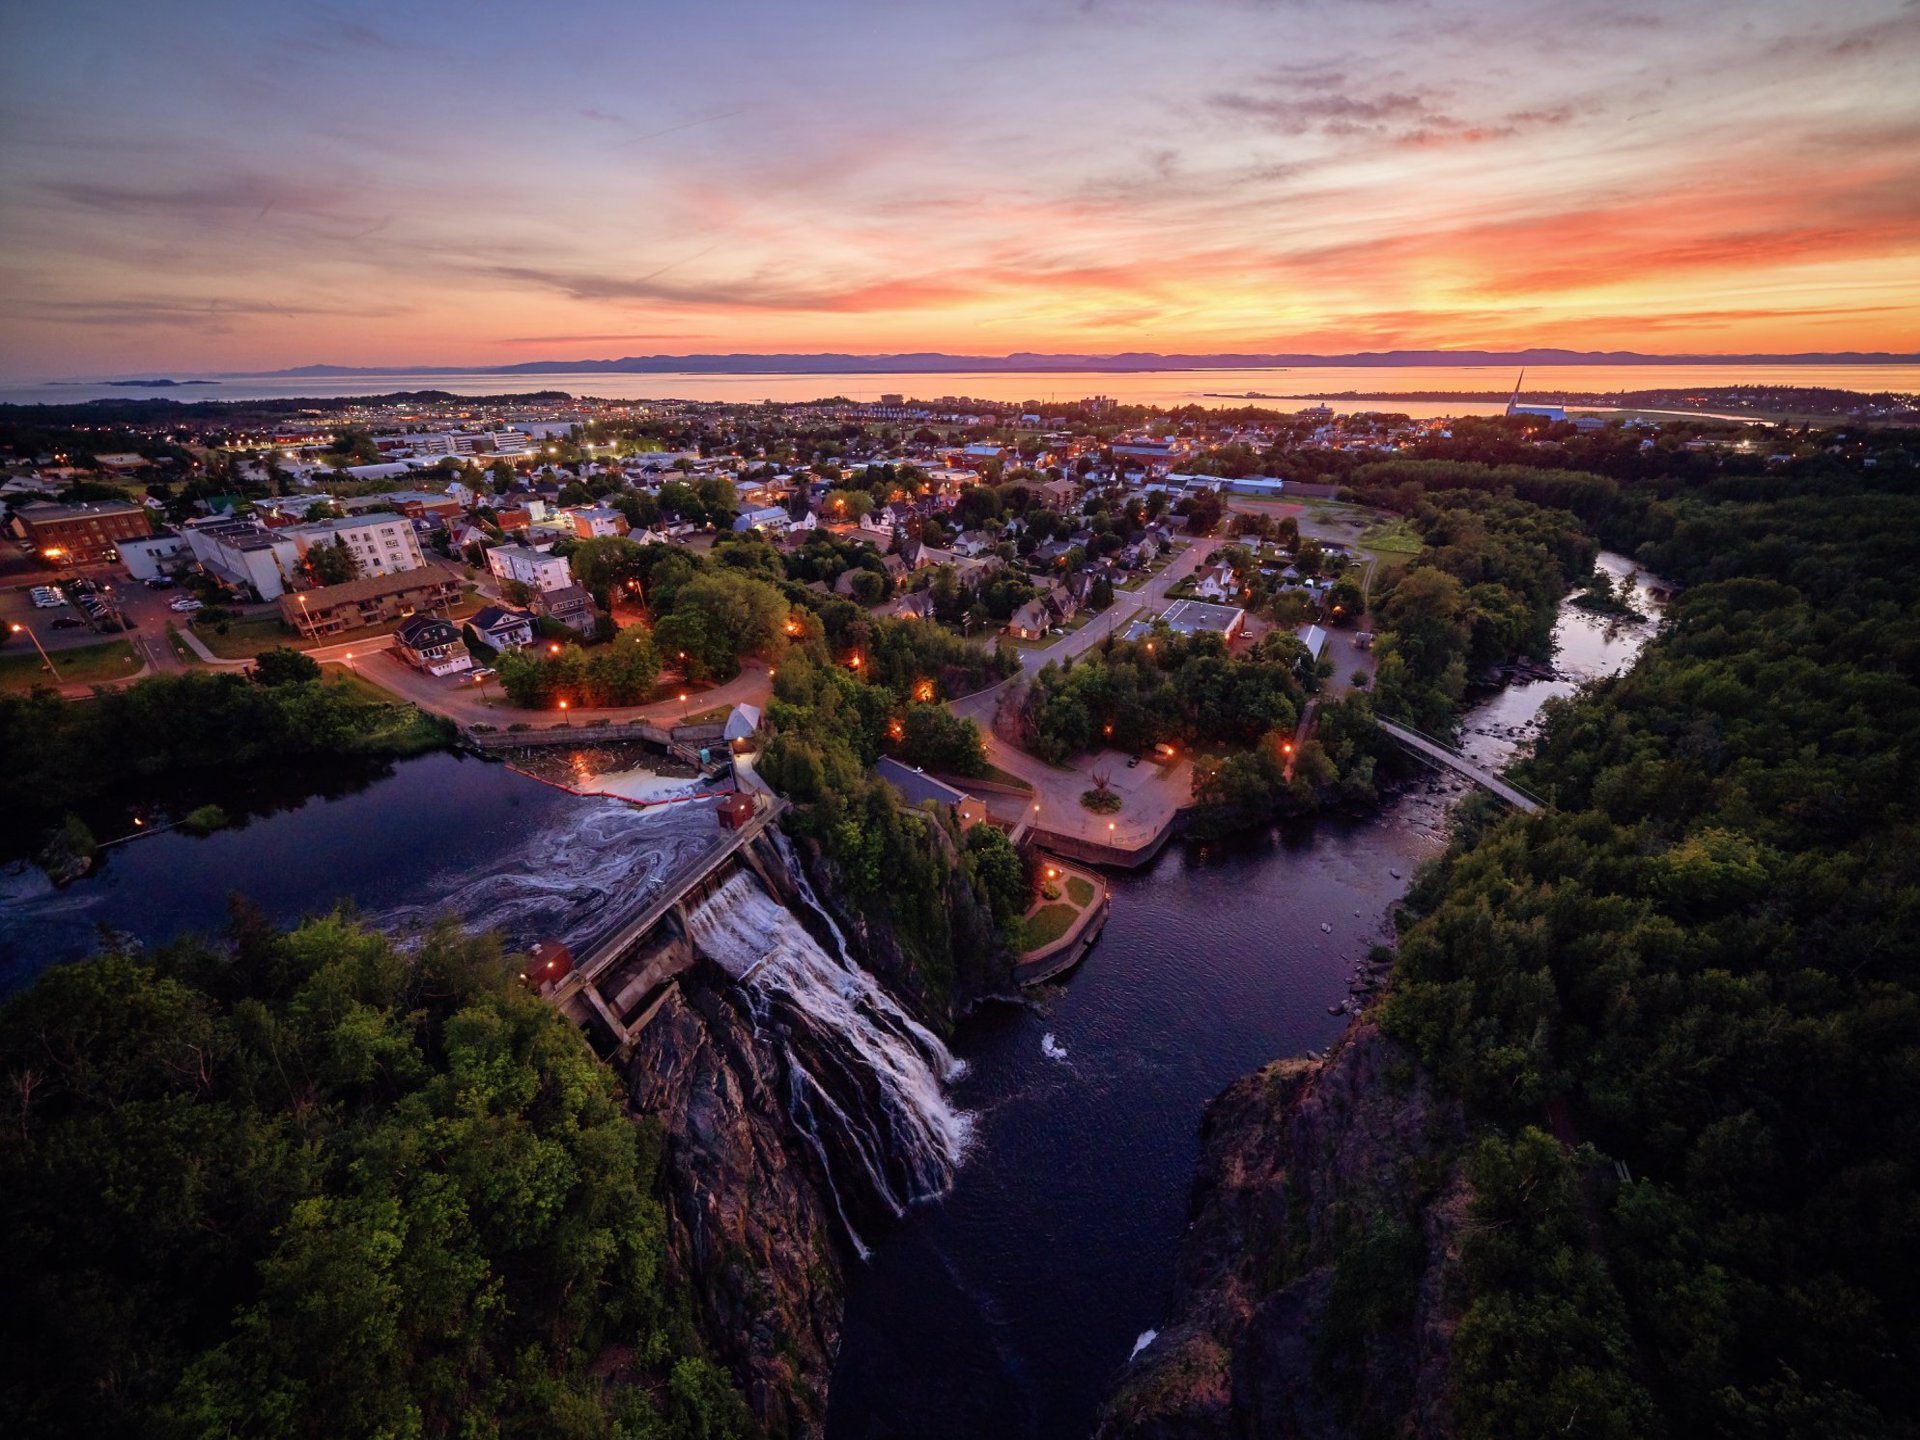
(1006, 1308)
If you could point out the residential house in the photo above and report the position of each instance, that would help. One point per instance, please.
(972, 543)
(598, 522)
(503, 628)
(1061, 602)
(1216, 582)
(909, 605)
(1031, 620)
(768, 519)
(570, 605)
(433, 645)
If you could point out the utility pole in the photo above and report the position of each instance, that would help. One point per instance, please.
(17, 628)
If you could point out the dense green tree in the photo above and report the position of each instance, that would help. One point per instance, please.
(281, 666)
(304, 1185)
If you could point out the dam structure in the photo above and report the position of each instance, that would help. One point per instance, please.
(861, 1082)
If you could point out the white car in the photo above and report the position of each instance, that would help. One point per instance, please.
(47, 598)
(186, 605)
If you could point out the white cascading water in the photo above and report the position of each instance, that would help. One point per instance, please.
(881, 1087)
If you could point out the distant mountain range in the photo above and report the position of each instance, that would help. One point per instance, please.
(1029, 362)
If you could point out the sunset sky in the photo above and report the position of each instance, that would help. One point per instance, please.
(200, 185)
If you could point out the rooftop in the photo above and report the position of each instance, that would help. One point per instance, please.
(373, 587)
(915, 786)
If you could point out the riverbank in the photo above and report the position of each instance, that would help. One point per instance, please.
(1028, 1287)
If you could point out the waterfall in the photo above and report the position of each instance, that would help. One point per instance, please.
(864, 1079)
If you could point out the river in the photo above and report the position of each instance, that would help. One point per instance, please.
(1005, 1308)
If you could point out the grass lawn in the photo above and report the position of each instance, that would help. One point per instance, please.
(707, 717)
(181, 649)
(1049, 923)
(338, 678)
(1080, 890)
(1006, 777)
(1393, 536)
(248, 635)
(21, 668)
(1389, 563)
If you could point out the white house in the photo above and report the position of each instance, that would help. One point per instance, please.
(771, 519)
(530, 567)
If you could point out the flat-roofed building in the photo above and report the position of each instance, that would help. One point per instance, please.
(1193, 617)
(598, 522)
(534, 569)
(80, 534)
(245, 554)
(383, 543)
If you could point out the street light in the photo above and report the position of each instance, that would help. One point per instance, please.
(566, 718)
(17, 628)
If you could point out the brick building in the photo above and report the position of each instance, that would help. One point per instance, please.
(80, 534)
(370, 600)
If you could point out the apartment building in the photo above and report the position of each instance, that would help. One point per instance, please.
(383, 543)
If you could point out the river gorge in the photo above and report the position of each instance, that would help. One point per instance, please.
(1023, 1185)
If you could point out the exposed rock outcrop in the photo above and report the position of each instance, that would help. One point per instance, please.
(1312, 1291)
(750, 1235)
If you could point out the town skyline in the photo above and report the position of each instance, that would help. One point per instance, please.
(442, 187)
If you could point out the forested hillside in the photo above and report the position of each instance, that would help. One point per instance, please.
(303, 1185)
(1701, 964)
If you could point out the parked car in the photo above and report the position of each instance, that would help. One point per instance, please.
(69, 622)
(162, 582)
(481, 676)
(186, 605)
(1132, 760)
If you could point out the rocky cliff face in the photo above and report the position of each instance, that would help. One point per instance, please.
(1312, 1293)
(758, 1228)
(750, 1235)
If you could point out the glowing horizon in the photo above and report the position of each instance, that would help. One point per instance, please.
(255, 186)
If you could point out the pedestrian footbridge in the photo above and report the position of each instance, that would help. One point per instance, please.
(1438, 752)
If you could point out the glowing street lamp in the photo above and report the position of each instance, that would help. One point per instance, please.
(565, 718)
(17, 628)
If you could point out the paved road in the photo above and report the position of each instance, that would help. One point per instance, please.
(1127, 607)
(468, 704)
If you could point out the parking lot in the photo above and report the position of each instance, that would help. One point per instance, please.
(69, 625)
